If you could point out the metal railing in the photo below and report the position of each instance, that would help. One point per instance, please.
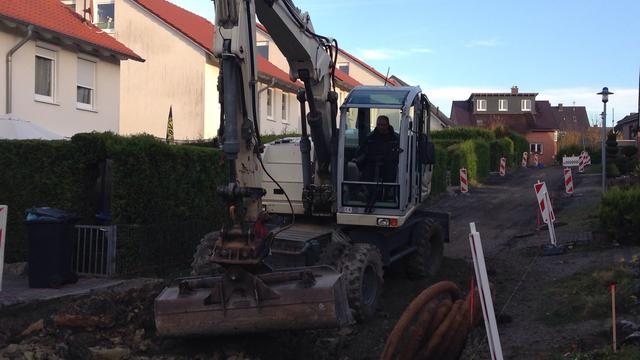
(95, 250)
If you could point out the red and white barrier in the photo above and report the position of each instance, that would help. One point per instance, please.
(581, 163)
(568, 181)
(464, 181)
(535, 160)
(3, 234)
(503, 166)
(525, 159)
(490, 323)
(587, 158)
(544, 203)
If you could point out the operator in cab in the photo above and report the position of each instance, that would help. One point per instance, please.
(377, 158)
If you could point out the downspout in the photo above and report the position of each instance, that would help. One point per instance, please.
(9, 67)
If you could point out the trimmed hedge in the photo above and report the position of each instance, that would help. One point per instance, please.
(472, 155)
(439, 178)
(463, 133)
(620, 214)
(501, 148)
(520, 145)
(153, 183)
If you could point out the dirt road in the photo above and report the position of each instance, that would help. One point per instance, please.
(504, 212)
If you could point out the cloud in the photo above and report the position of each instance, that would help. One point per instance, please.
(484, 43)
(386, 53)
(624, 100)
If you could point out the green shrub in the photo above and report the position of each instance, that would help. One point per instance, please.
(472, 155)
(152, 182)
(463, 133)
(272, 137)
(502, 147)
(520, 145)
(629, 151)
(612, 170)
(445, 143)
(620, 214)
(439, 178)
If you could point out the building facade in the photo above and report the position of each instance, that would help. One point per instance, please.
(520, 112)
(62, 74)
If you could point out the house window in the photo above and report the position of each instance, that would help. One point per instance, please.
(525, 105)
(106, 15)
(481, 105)
(270, 104)
(535, 148)
(502, 105)
(285, 107)
(344, 67)
(86, 84)
(45, 75)
(262, 47)
(70, 4)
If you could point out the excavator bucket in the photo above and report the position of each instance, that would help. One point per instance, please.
(240, 302)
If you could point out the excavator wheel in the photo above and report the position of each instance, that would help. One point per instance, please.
(202, 263)
(428, 237)
(361, 265)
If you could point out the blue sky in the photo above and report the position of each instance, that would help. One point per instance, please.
(566, 50)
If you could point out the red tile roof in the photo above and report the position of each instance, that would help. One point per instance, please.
(193, 26)
(265, 67)
(542, 120)
(368, 67)
(53, 16)
(345, 78)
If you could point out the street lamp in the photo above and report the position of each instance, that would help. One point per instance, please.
(605, 98)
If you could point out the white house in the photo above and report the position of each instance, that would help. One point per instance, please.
(61, 73)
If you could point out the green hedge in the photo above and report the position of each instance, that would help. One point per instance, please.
(463, 133)
(153, 183)
(574, 150)
(520, 145)
(501, 148)
(620, 214)
(439, 178)
(472, 155)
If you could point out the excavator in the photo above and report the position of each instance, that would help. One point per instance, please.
(311, 223)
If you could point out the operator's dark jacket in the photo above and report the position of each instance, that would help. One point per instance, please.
(379, 151)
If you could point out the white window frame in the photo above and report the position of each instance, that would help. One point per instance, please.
(534, 146)
(68, 4)
(503, 105)
(284, 107)
(263, 43)
(95, 14)
(524, 103)
(54, 74)
(92, 106)
(269, 101)
(343, 64)
(480, 102)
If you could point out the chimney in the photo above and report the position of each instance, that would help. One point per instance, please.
(559, 106)
(514, 90)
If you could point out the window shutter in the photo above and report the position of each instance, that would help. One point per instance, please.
(86, 73)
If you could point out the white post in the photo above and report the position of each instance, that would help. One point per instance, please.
(490, 323)
(4, 209)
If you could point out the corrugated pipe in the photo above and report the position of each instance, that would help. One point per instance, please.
(9, 66)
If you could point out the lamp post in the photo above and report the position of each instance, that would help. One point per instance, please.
(605, 98)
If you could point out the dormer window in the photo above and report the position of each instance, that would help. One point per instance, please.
(262, 47)
(344, 67)
(525, 105)
(481, 105)
(503, 105)
(106, 15)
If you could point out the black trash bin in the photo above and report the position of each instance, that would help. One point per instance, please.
(50, 236)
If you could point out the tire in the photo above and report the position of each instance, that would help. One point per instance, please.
(428, 237)
(332, 253)
(361, 265)
(202, 263)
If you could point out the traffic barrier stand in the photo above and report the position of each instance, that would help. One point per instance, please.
(535, 160)
(3, 234)
(548, 217)
(614, 337)
(568, 182)
(503, 166)
(581, 163)
(490, 323)
(525, 159)
(464, 181)
(587, 160)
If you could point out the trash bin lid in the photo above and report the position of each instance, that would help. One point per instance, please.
(49, 214)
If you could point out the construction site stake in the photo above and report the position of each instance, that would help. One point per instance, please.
(490, 323)
(546, 210)
(581, 163)
(464, 181)
(613, 317)
(535, 160)
(4, 209)
(568, 181)
(503, 166)
(525, 159)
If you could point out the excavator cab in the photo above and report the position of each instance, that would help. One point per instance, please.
(386, 158)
